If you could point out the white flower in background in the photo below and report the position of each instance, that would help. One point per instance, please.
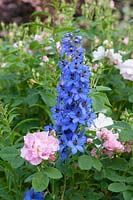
(3, 65)
(18, 44)
(114, 58)
(106, 42)
(126, 69)
(38, 38)
(123, 52)
(58, 46)
(101, 121)
(99, 53)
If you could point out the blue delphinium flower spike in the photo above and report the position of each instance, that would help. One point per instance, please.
(32, 195)
(73, 108)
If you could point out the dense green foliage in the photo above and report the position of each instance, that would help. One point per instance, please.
(29, 75)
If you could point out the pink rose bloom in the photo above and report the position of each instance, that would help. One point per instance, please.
(112, 144)
(39, 146)
(108, 153)
(94, 153)
(114, 58)
(89, 140)
(103, 134)
(126, 69)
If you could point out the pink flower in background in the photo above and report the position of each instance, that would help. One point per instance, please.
(95, 67)
(126, 69)
(126, 40)
(89, 140)
(114, 58)
(111, 4)
(39, 146)
(94, 153)
(45, 58)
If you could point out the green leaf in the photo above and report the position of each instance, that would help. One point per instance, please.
(29, 178)
(113, 176)
(130, 98)
(40, 13)
(102, 88)
(128, 195)
(85, 162)
(53, 173)
(118, 164)
(31, 99)
(97, 164)
(40, 182)
(48, 99)
(16, 162)
(94, 195)
(117, 187)
(8, 153)
(126, 135)
(129, 179)
(122, 125)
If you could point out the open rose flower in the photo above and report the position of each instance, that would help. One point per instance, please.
(126, 69)
(101, 121)
(39, 146)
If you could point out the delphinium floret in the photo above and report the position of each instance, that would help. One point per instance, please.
(73, 109)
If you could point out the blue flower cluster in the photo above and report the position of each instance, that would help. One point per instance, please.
(73, 109)
(32, 195)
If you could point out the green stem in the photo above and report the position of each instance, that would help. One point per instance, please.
(53, 195)
(64, 188)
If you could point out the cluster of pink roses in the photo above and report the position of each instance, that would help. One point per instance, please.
(109, 143)
(39, 146)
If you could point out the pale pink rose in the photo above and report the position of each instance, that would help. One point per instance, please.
(108, 153)
(114, 58)
(99, 53)
(39, 146)
(126, 40)
(102, 121)
(111, 4)
(112, 144)
(89, 140)
(126, 69)
(103, 134)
